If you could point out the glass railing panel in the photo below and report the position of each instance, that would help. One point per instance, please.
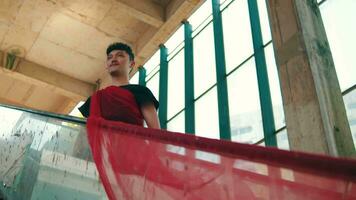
(45, 156)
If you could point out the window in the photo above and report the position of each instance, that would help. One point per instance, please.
(206, 115)
(282, 140)
(244, 103)
(264, 20)
(338, 19)
(153, 85)
(241, 131)
(351, 105)
(350, 99)
(176, 84)
(204, 61)
(175, 42)
(237, 34)
(152, 65)
(177, 124)
(200, 15)
(275, 88)
(134, 79)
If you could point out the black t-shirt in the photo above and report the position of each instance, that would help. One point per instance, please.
(141, 93)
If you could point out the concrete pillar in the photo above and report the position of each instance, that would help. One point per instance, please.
(314, 109)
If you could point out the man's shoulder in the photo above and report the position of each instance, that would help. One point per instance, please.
(135, 87)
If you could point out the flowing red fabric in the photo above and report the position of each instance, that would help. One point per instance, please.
(140, 163)
(117, 104)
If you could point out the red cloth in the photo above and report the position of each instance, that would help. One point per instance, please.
(118, 104)
(140, 163)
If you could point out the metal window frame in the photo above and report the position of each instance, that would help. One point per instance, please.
(222, 92)
(142, 76)
(189, 79)
(163, 86)
(262, 75)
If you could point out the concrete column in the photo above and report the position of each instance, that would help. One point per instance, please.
(314, 109)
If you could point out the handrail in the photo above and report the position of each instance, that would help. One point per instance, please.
(47, 114)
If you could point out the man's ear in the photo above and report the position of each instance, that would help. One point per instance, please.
(132, 64)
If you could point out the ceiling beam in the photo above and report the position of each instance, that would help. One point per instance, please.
(4, 100)
(66, 107)
(144, 10)
(57, 82)
(176, 11)
(20, 104)
(62, 106)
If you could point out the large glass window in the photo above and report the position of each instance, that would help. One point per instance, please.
(204, 60)
(200, 15)
(275, 88)
(350, 104)
(264, 20)
(176, 84)
(75, 112)
(134, 79)
(225, 3)
(175, 42)
(237, 34)
(338, 19)
(153, 85)
(282, 140)
(244, 104)
(206, 115)
(152, 65)
(177, 124)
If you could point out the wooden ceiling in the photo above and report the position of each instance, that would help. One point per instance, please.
(60, 44)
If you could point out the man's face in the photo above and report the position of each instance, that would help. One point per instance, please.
(118, 63)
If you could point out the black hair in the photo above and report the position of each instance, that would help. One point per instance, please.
(121, 46)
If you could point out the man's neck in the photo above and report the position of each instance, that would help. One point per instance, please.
(119, 81)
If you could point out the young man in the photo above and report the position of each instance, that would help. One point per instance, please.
(123, 101)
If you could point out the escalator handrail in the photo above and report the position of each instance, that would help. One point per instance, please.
(47, 114)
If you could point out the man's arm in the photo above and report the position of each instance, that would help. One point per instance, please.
(150, 115)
